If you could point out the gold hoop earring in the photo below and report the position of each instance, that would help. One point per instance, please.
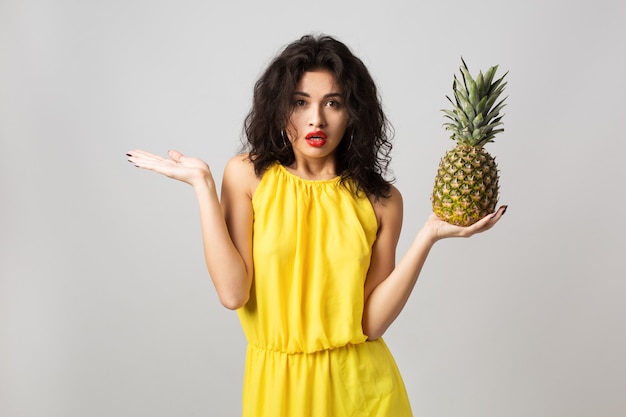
(351, 140)
(286, 143)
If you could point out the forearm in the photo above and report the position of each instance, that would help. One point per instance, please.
(229, 264)
(227, 269)
(389, 298)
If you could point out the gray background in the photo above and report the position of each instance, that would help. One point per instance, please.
(105, 305)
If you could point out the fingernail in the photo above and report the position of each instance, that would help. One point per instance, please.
(503, 208)
(128, 154)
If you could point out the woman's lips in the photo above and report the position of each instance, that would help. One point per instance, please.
(316, 139)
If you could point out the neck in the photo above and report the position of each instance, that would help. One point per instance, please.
(322, 169)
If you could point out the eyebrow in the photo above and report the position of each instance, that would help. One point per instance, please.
(329, 95)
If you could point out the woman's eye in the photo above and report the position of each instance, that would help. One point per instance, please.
(300, 102)
(333, 103)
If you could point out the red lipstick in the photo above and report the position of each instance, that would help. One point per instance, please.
(316, 138)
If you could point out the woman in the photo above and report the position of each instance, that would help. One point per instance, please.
(303, 242)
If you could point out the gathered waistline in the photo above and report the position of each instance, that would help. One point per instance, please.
(328, 349)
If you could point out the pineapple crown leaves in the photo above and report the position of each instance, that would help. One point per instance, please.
(475, 115)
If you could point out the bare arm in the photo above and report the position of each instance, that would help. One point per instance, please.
(226, 231)
(388, 286)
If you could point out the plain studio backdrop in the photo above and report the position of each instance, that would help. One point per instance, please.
(106, 308)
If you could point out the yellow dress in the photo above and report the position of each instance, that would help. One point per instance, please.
(307, 354)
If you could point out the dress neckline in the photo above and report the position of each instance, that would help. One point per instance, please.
(305, 180)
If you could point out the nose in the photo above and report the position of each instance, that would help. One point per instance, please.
(316, 118)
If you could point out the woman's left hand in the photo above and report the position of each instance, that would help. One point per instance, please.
(439, 229)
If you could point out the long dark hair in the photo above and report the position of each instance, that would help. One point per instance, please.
(364, 152)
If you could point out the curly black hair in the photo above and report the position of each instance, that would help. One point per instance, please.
(363, 154)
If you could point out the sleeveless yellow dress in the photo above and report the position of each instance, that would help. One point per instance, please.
(307, 354)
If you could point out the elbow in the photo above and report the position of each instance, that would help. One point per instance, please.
(373, 332)
(372, 335)
(232, 293)
(234, 301)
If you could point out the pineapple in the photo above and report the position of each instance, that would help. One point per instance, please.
(466, 186)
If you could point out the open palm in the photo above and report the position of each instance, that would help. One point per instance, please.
(177, 166)
(442, 229)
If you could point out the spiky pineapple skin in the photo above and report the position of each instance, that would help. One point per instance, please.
(466, 186)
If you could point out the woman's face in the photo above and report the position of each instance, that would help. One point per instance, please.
(319, 117)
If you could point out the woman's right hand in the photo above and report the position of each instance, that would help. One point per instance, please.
(187, 169)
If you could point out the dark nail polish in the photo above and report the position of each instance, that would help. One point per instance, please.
(504, 211)
(128, 154)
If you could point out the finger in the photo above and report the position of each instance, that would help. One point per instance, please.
(139, 154)
(166, 167)
(489, 221)
(175, 155)
(147, 160)
(499, 213)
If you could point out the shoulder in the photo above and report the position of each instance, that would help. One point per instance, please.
(388, 210)
(388, 205)
(239, 174)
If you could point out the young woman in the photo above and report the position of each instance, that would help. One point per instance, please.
(303, 241)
